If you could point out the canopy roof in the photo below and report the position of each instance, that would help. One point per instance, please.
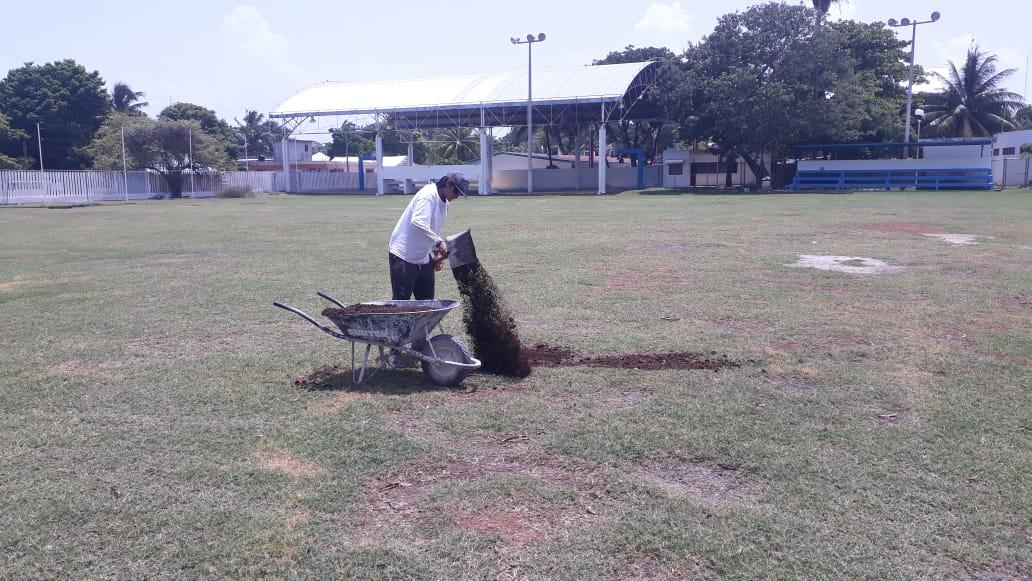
(568, 96)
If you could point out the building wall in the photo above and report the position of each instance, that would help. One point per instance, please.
(1005, 142)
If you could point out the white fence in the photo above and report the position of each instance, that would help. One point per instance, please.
(28, 187)
(1012, 172)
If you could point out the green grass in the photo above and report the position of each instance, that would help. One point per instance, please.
(150, 426)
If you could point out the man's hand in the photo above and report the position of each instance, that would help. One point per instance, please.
(442, 247)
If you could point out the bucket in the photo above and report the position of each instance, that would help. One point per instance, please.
(460, 249)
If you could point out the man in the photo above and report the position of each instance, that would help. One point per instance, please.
(418, 234)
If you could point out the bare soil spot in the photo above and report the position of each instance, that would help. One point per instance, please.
(846, 264)
(331, 377)
(907, 227)
(284, 463)
(1017, 303)
(510, 526)
(720, 485)
(335, 402)
(557, 356)
(999, 572)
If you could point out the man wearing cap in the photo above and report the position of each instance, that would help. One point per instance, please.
(418, 234)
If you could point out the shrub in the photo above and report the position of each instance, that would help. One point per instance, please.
(235, 192)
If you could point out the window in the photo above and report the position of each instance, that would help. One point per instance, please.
(713, 167)
(306, 147)
(996, 152)
(1009, 151)
(675, 169)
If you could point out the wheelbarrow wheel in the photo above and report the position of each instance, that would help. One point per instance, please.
(446, 348)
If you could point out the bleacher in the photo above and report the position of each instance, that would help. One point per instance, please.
(895, 179)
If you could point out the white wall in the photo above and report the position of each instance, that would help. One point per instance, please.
(1013, 139)
(958, 152)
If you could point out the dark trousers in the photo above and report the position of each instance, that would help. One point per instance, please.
(409, 279)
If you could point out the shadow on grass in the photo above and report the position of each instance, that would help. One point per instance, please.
(386, 382)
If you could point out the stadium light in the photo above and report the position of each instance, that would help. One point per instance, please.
(910, 74)
(531, 39)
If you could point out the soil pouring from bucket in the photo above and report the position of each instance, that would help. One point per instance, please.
(489, 323)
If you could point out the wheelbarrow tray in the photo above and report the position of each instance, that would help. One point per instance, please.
(394, 328)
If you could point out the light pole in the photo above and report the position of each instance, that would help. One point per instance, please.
(910, 74)
(531, 39)
(919, 113)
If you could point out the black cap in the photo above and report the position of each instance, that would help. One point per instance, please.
(459, 181)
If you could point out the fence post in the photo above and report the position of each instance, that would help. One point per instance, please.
(1027, 161)
(1004, 173)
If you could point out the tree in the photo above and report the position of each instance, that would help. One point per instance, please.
(669, 98)
(455, 146)
(258, 133)
(974, 102)
(1023, 118)
(347, 141)
(778, 75)
(127, 101)
(209, 122)
(163, 146)
(9, 135)
(67, 101)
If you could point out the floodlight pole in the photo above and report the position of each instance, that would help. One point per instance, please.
(125, 168)
(193, 184)
(531, 39)
(39, 138)
(910, 72)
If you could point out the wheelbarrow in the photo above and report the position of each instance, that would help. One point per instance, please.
(446, 361)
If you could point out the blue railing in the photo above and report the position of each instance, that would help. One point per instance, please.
(896, 179)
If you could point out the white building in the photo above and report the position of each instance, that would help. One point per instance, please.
(298, 149)
(1009, 144)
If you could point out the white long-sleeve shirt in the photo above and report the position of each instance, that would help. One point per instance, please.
(419, 228)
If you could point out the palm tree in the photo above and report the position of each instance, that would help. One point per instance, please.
(458, 144)
(257, 132)
(974, 102)
(127, 101)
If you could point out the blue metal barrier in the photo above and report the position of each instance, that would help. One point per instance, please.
(918, 179)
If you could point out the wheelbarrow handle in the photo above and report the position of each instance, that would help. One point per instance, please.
(330, 298)
(301, 314)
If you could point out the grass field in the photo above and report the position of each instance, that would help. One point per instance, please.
(150, 426)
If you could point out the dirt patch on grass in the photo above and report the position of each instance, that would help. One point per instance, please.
(1017, 303)
(511, 527)
(720, 485)
(906, 227)
(846, 264)
(284, 463)
(544, 354)
(331, 377)
(999, 572)
(335, 402)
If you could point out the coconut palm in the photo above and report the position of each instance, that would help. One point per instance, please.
(974, 102)
(127, 101)
(458, 144)
(258, 132)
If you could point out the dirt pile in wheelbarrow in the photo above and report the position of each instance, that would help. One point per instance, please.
(489, 324)
(547, 355)
(361, 309)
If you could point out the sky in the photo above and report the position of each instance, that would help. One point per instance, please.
(232, 55)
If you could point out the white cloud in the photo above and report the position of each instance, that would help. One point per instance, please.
(249, 35)
(955, 49)
(664, 19)
(844, 10)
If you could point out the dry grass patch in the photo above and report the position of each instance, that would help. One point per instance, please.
(288, 465)
(720, 485)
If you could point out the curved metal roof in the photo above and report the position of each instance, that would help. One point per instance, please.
(567, 95)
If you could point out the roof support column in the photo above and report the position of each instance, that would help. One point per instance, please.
(286, 164)
(576, 157)
(602, 153)
(410, 186)
(486, 153)
(379, 160)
